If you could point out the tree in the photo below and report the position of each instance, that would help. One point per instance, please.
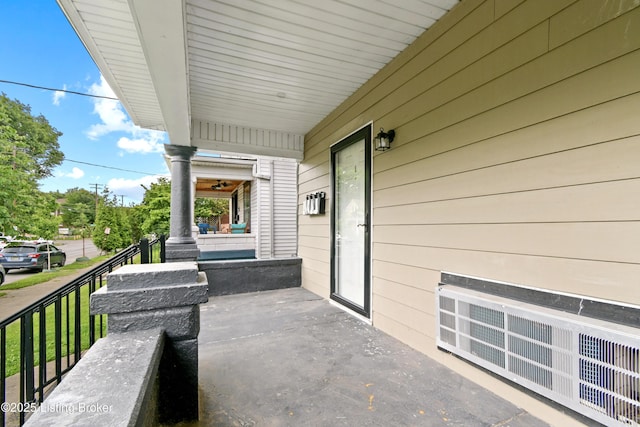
(156, 207)
(29, 151)
(33, 135)
(135, 219)
(115, 225)
(44, 223)
(78, 208)
(108, 233)
(205, 208)
(124, 226)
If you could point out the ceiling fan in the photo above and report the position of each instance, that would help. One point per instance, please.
(219, 185)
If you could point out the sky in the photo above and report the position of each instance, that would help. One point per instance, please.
(39, 47)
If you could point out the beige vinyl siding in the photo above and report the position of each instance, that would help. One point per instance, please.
(516, 158)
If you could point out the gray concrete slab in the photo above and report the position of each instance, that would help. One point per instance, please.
(290, 358)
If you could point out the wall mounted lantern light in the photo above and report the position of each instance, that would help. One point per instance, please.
(384, 139)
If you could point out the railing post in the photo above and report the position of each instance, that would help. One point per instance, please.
(92, 325)
(28, 356)
(144, 251)
(163, 252)
(27, 385)
(68, 324)
(77, 326)
(3, 371)
(42, 352)
(58, 337)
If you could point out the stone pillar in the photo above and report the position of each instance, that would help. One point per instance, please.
(181, 245)
(167, 296)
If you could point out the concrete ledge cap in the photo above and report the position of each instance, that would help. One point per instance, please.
(107, 301)
(109, 386)
(138, 276)
(241, 263)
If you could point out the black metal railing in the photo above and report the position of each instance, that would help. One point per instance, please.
(42, 342)
(152, 251)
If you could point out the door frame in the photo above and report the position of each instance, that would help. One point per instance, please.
(365, 132)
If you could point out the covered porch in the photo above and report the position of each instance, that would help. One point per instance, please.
(514, 156)
(262, 206)
(230, 235)
(289, 357)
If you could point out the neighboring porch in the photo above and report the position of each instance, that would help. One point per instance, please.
(261, 219)
(289, 357)
(226, 246)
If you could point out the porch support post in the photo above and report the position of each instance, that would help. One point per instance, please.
(181, 246)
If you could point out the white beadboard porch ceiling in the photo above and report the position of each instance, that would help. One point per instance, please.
(279, 65)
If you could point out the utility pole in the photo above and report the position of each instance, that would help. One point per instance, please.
(121, 199)
(95, 187)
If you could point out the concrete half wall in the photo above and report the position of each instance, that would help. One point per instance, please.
(241, 276)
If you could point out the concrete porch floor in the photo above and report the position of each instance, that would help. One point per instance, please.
(290, 358)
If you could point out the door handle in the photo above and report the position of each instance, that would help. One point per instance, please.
(362, 225)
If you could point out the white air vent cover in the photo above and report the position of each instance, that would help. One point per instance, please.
(588, 365)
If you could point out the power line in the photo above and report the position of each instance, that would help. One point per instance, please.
(109, 167)
(58, 90)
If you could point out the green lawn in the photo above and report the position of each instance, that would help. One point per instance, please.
(45, 276)
(13, 330)
(68, 346)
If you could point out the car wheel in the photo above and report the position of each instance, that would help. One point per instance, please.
(62, 261)
(1, 278)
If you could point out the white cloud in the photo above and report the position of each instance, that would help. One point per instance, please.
(58, 95)
(141, 145)
(131, 188)
(76, 173)
(113, 118)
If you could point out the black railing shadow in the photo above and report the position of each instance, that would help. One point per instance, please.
(45, 340)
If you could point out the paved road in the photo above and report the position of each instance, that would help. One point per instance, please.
(73, 249)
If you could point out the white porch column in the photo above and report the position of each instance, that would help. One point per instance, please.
(181, 246)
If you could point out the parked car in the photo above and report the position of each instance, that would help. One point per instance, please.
(4, 241)
(31, 255)
(2, 273)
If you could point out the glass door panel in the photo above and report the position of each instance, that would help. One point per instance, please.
(350, 261)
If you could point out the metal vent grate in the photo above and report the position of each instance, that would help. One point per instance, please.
(588, 365)
(609, 378)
